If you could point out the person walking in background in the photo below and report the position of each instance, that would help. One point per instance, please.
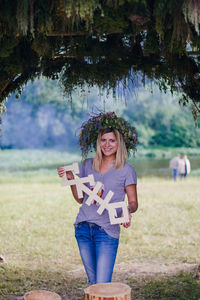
(112, 138)
(184, 166)
(174, 165)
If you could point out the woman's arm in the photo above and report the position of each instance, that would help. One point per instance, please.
(70, 176)
(131, 191)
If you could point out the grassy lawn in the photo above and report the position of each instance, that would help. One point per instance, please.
(37, 237)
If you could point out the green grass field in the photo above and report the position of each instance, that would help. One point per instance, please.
(37, 236)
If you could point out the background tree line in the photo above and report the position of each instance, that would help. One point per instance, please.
(43, 118)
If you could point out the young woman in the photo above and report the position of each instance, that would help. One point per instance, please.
(97, 239)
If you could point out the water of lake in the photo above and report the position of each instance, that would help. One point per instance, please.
(45, 161)
(160, 167)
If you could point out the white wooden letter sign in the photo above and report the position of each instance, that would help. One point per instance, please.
(92, 195)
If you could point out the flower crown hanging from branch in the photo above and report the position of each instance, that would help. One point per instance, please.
(90, 130)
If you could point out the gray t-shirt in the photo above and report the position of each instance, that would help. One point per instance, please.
(114, 180)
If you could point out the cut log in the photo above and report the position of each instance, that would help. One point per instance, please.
(41, 295)
(108, 291)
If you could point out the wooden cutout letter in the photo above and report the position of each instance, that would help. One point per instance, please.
(104, 203)
(113, 214)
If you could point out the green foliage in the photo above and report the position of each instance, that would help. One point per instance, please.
(110, 22)
(42, 46)
(102, 43)
(160, 122)
(22, 16)
(191, 13)
(151, 44)
(7, 45)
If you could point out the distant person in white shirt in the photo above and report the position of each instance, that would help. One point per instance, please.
(184, 167)
(174, 165)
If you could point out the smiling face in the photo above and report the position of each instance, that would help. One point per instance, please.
(109, 144)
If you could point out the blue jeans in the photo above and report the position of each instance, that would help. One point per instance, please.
(98, 251)
(175, 173)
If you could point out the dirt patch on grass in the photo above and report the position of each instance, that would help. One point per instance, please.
(123, 270)
(148, 269)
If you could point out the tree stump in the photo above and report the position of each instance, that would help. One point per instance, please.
(41, 295)
(108, 291)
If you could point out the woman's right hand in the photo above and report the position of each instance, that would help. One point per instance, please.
(61, 173)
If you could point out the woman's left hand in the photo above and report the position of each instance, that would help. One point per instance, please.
(127, 224)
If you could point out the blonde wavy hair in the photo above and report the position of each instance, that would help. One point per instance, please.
(121, 154)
